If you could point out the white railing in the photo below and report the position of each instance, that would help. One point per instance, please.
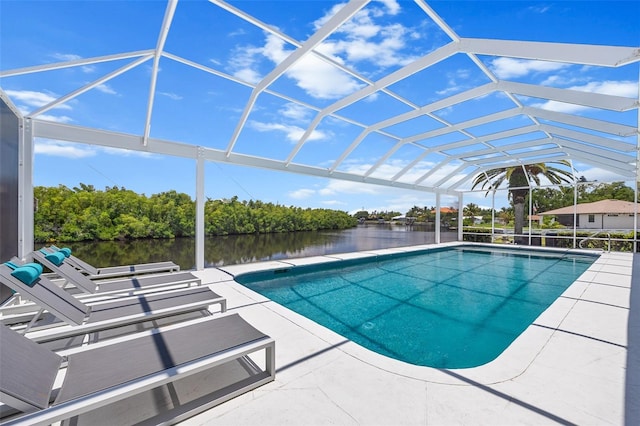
(592, 237)
(506, 236)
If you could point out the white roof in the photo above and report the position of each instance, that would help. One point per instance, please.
(597, 207)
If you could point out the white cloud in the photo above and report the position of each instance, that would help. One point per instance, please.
(293, 133)
(539, 9)
(449, 90)
(372, 97)
(238, 32)
(335, 187)
(314, 76)
(243, 63)
(600, 175)
(561, 80)
(63, 149)
(248, 75)
(511, 67)
(616, 88)
(627, 89)
(104, 88)
(323, 20)
(172, 96)
(295, 112)
(334, 203)
(274, 49)
(404, 201)
(56, 119)
(29, 101)
(66, 57)
(75, 150)
(321, 80)
(33, 99)
(387, 171)
(392, 6)
(301, 194)
(386, 198)
(362, 39)
(126, 152)
(453, 83)
(560, 107)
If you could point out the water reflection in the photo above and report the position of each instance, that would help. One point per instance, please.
(235, 249)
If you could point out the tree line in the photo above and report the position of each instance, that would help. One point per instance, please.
(543, 199)
(546, 199)
(85, 213)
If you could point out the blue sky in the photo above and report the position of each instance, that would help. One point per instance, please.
(199, 108)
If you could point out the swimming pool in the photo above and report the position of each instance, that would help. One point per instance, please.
(454, 307)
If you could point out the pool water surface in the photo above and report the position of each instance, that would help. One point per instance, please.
(445, 308)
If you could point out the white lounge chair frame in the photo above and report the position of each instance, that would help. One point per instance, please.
(76, 314)
(118, 271)
(84, 282)
(105, 397)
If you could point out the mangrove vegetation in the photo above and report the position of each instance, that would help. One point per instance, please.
(85, 213)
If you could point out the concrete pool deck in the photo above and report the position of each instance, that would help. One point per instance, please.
(578, 363)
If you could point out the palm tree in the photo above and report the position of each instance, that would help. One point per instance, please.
(472, 209)
(519, 178)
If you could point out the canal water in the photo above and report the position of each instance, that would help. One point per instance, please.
(235, 249)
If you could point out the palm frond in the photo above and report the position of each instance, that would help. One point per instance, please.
(492, 179)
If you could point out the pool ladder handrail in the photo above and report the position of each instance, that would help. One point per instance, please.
(593, 235)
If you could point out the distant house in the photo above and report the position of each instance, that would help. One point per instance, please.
(445, 210)
(605, 214)
(535, 218)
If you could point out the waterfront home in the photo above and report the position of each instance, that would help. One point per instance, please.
(604, 214)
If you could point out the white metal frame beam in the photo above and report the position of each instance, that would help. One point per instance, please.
(582, 54)
(162, 38)
(425, 62)
(71, 133)
(343, 15)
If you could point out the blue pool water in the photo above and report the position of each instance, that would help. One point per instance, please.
(447, 308)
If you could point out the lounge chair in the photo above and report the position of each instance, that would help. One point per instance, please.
(114, 271)
(60, 265)
(166, 366)
(101, 316)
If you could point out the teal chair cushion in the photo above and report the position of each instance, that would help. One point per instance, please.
(37, 266)
(56, 258)
(66, 251)
(28, 274)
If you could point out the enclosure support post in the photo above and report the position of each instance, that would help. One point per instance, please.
(575, 212)
(493, 216)
(530, 211)
(634, 245)
(200, 201)
(460, 217)
(635, 209)
(25, 189)
(437, 218)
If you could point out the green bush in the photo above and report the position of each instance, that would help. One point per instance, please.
(475, 235)
(620, 241)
